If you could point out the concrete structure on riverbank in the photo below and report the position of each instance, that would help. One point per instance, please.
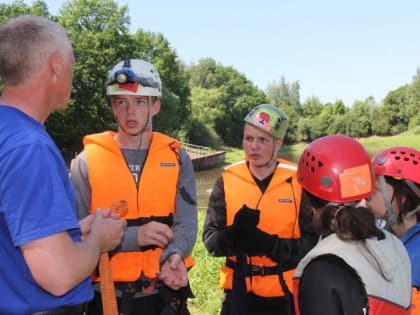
(203, 157)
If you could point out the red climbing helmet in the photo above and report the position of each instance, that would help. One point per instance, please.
(399, 162)
(337, 169)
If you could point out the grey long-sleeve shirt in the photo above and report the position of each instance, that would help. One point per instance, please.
(185, 216)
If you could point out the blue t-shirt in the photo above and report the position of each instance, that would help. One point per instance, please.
(36, 200)
(411, 240)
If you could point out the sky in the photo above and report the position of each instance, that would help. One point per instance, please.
(346, 50)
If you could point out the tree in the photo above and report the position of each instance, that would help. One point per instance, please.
(8, 11)
(359, 118)
(292, 134)
(286, 96)
(232, 97)
(312, 107)
(97, 29)
(339, 108)
(327, 117)
(283, 93)
(413, 100)
(337, 125)
(392, 111)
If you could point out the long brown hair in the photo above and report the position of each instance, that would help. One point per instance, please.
(404, 196)
(349, 222)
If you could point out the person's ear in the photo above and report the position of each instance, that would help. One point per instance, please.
(278, 144)
(55, 63)
(111, 104)
(156, 107)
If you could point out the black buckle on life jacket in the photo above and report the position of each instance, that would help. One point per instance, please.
(254, 270)
(257, 270)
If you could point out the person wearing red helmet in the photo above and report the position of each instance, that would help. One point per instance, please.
(396, 204)
(356, 267)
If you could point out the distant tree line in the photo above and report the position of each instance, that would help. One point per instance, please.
(202, 103)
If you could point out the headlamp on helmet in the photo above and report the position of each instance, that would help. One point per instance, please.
(127, 75)
(124, 76)
(134, 77)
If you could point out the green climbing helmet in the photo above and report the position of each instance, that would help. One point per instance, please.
(268, 118)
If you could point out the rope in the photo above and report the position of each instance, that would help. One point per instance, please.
(109, 300)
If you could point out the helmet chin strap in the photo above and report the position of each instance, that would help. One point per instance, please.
(392, 218)
(416, 191)
(412, 212)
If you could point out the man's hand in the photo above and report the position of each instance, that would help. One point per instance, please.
(109, 229)
(173, 273)
(154, 233)
(85, 225)
(86, 222)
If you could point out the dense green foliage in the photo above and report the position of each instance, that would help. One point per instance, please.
(202, 103)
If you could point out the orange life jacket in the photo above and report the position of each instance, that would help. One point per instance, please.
(415, 301)
(110, 179)
(279, 214)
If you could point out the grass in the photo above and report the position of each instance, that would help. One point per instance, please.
(204, 277)
(409, 138)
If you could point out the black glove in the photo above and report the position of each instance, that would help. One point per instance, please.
(256, 242)
(244, 223)
(246, 219)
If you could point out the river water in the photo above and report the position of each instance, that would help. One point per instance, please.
(205, 181)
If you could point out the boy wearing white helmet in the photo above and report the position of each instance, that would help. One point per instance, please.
(156, 178)
(255, 219)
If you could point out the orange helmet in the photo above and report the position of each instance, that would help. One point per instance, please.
(337, 169)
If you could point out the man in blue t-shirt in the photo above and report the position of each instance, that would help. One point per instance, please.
(47, 256)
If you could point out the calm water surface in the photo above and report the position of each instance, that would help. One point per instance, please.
(205, 181)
